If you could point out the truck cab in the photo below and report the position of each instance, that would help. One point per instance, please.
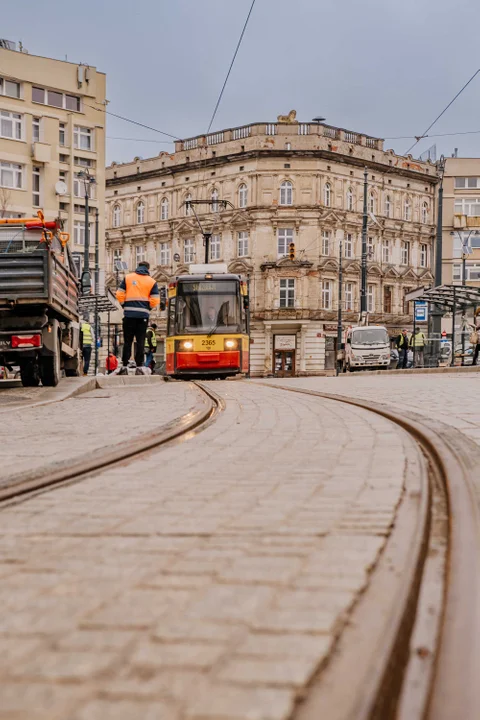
(366, 347)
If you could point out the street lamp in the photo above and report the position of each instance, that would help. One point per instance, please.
(86, 281)
(465, 241)
(339, 314)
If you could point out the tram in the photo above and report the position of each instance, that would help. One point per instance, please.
(207, 330)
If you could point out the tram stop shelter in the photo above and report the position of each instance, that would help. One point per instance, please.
(451, 298)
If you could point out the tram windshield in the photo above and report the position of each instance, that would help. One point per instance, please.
(208, 306)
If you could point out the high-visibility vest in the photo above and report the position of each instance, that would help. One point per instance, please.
(418, 340)
(403, 342)
(87, 333)
(153, 339)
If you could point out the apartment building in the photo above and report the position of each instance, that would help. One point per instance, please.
(285, 182)
(52, 133)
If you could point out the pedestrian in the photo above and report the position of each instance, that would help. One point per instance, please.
(417, 343)
(475, 336)
(111, 363)
(402, 347)
(150, 345)
(138, 293)
(86, 343)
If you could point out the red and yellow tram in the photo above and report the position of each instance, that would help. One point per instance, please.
(207, 332)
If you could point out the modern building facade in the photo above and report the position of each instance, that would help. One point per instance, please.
(285, 182)
(52, 128)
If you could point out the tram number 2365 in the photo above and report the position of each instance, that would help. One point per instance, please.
(208, 342)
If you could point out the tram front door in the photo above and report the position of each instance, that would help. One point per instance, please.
(284, 363)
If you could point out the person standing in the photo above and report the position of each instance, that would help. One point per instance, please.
(150, 345)
(402, 347)
(417, 343)
(138, 293)
(86, 343)
(475, 336)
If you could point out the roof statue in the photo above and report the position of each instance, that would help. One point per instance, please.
(290, 118)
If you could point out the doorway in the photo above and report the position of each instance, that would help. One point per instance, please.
(284, 363)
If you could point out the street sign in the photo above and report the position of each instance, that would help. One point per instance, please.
(421, 311)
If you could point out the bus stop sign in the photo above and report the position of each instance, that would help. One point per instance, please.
(421, 311)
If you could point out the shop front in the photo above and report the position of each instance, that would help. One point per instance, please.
(284, 355)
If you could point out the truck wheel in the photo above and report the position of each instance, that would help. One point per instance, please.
(50, 369)
(29, 373)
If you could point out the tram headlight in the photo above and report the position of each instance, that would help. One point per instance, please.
(184, 345)
(231, 344)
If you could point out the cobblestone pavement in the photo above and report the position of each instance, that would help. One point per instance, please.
(206, 581)
(34, 438)
(449, 398)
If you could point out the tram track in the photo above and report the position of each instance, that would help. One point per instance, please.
(178, 430)
(420, 657)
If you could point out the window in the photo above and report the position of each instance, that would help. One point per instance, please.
(371, 298)
(287, 293)
(116, 258)
(11, 125)
(423, 255)
(406, 305)
(405, 253)
(457, 273)
(82, 138)
(36, 129)
(327, 195)
(79, 232)
(242, 196)
(387, 299)
(286, 193)
(189, 251)
(288, 146)
(470, 183)
(348, 296)
(140, 253)
(165, 253)
(348, 245)
(188, 209)
(284, 238)
(84, 162)
(36, 187)
(242, 244)
(386, 251)
(215, 205)
(467, 206)
(371, 203)
(407, 209)
(9, 88)
(326, 242)
(326, 295)
(61, 134)
(425, 212)
(370, 248)
(164, 209)
(116, 216)
(11, 175)
(388, 207)
(63, 158)
(140, 213)
(215, 244)
(349, 199)
(55, 98)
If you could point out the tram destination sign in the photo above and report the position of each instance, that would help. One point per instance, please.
(209, 286)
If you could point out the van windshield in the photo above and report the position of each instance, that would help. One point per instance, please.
(369, 336)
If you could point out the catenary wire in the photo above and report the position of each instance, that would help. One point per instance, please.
(134, 122)
(435, 135)
(419, 137)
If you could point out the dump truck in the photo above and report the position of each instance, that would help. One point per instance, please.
(39, 320)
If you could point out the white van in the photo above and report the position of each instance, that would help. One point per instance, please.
(367, 346)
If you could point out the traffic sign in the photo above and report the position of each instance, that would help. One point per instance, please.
(421, 311)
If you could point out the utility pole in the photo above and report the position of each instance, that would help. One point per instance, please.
(97, 283)
(206, 239)
(86, 281)
(339, 316)
(363, 295)
(437, 311)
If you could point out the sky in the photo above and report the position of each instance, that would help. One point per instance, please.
(386, 68)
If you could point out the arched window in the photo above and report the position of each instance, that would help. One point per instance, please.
(215, 205)
(407, 209)
(286, 193)
(140, 213)
(188, 209)
(425, 212)
(116, 216)
(327, 195)
(242, 196)
(371, 203)
(388, 206)
(349, 199)
(164, 209)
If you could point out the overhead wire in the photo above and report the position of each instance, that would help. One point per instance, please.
(450, 134)
(133, 122)
(420, 137)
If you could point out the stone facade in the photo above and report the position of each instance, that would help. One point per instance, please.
(284, 182)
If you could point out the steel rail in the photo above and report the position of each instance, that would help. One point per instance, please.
(398, 687)
(182, 428)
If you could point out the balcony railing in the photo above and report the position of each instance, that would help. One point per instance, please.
(242, 132)
(215, 138)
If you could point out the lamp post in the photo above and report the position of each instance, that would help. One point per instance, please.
(437, 311)
(339, 315)
(363, 294)
(86, 281)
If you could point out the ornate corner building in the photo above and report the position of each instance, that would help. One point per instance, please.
(285, 182)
